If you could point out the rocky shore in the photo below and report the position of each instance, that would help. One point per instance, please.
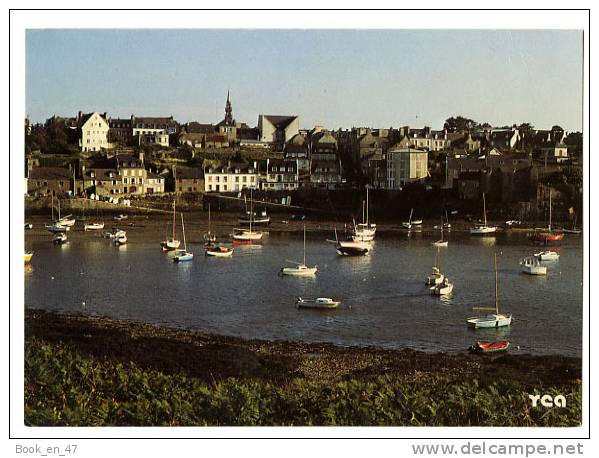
(212, 357)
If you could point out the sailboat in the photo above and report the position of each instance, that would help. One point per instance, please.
(445, 288)
(408, 224)
(547, 236)
(300, 269)
(171, 243)
(484, 229)
(436, 277)
(350, 247)
(209, 237)
(57, 226)
(243, 236)
(94, 226)
(364, 231)
(183, 255)
(441, 242)
(492, 320)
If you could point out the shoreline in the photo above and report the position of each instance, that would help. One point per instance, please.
(217, 357)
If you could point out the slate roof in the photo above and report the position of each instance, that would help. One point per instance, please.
(280, 122)
(49, 173)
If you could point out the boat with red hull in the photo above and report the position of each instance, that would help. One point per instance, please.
(547, 236)
(489, 347)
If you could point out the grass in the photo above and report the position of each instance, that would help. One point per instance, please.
(64, 387)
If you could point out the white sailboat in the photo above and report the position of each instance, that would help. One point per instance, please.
(484, 229)
(209, 237)
(171, 243)
(318, 303)
(94, 226)
(445, 288)
(300, 269)
(408, 224)
(436, 277)
(492, 320)
(364, 231)
(441, 242)
(183, 255)
(56, 227)
(243, 236)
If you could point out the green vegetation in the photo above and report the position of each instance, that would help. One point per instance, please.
(64, 387)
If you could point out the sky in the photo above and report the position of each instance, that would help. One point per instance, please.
(332, 78)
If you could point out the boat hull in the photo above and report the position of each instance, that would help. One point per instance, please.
(299, 272)
(185, 257)
(489, 347)
(483, 230)
(489, 321)
(28, 257)
(219, 253)
(170, 245)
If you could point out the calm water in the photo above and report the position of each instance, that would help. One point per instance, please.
(384, 300)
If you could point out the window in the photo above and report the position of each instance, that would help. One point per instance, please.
(125, 180)
(245, 179)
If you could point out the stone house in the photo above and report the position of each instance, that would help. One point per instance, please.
(231, 178)
(281, 175)
(188, 180)
(45, 181)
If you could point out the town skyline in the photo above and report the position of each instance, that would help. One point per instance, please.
(381, 91)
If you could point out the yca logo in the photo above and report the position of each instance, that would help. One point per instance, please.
(547, 400)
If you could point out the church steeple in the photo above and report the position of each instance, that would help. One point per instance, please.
(228, 111)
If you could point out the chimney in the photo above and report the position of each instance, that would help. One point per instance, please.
(141, 157)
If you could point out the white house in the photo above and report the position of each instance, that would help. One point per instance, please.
(93, 131)
(277, 130)
(231, 178)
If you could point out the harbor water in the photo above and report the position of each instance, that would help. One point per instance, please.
(384, 301)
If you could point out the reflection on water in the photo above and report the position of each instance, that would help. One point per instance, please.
(384, 300)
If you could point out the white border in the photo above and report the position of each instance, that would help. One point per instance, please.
(256, 19)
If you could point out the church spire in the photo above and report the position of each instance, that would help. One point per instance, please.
(228, 111)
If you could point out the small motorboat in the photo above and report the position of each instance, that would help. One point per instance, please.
(56, 228)
(28, 256)
(120, 217)
(262, 219)
(28, 226)
(183, 256)
(444, 288)
(532, 266)
(218, 251)
(60, 238)
(93, 226)
(489, 347)
(318, 303)
(547, 256)
(121, 238)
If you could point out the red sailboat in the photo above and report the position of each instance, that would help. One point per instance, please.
(547, 236)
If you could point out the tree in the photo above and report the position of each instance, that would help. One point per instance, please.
(457, 123)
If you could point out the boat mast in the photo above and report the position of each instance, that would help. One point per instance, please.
(550, 210)
(304, 244)
(485, 209)
(52, 207)
(251, 209)
(174, 203)
(363, 212)
(183, 227)
(496, 287)
(208, 218)
(367, 208)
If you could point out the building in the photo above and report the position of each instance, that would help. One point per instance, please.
(188, 180)
(120, 131)
(153, 130)
(102, 181)
(325, 174)
(277, 130)
(93, 131)
(45, 181)
(504, 138)
(132, 172)
(297, 149)
(557, 153)
(406, 165)
(281, 175)
(154, 183)
(229, 178)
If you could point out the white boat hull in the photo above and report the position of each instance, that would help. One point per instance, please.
(299, 271)
(320, 303)
(490, 321)
(170, 245)
(442, 290)
(441, 243)
(55, 229)
(93, 227)
(183, 257)
(483, 230)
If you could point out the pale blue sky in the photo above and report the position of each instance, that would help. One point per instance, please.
(331, 78)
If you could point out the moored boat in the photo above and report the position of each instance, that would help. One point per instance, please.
(547, 236)
(218, 251)
(492, 320)
(171, 243)
(444, 288)
(28, 256)
(318, 303)
(547, 256)
(60, 238)
(531, 265)
(489, 347)
(364, 231)
(93, 226)
(483, 229)
(300, 269)
(183, 255)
